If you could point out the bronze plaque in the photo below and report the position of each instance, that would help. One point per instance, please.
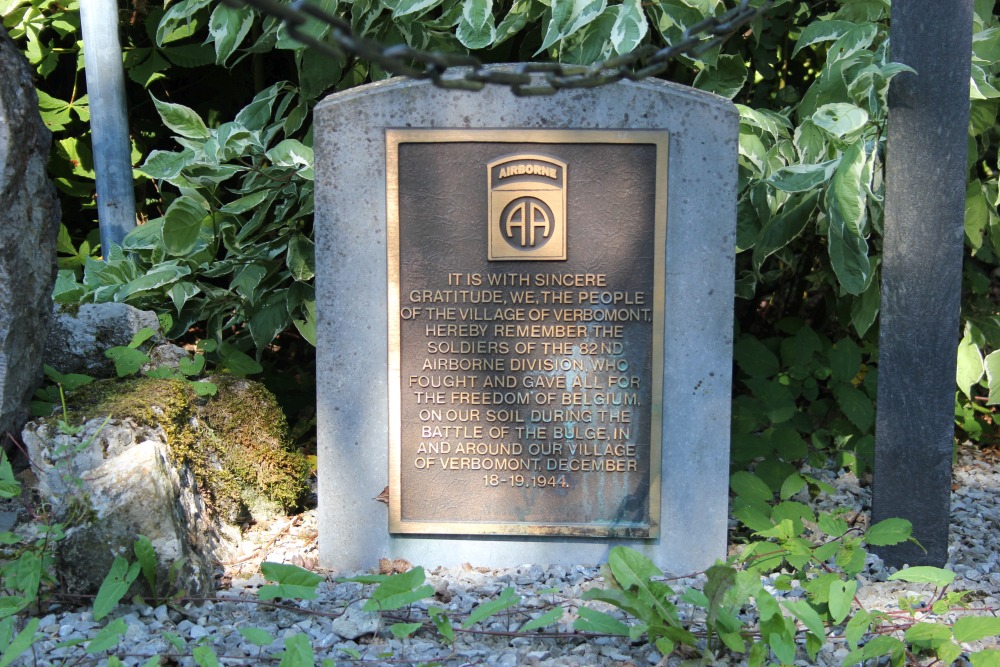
(525, 331)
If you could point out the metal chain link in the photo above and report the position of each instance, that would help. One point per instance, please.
(465, 72)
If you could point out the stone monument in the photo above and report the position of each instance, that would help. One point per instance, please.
(525, 324)
(30, 214)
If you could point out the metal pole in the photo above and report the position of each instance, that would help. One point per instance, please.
(922, 272)
(102, 57)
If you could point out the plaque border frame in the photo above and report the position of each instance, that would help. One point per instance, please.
(660, 138)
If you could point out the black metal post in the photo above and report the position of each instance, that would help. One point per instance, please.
(922, 272)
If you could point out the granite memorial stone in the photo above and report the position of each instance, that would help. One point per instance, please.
(525, 324)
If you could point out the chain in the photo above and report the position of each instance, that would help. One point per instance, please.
(465, 72)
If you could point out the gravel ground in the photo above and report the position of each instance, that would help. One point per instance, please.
(338, 629)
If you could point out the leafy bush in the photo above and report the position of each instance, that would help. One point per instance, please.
(227, 244)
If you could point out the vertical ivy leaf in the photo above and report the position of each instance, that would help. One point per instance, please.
(970, 368)
(992, 366)
(630, 27)
(865, 308)
(845, 199)
(21, 643)
(567, 17)
(300, 258)
(182, 120)
(477, 29)
(146, 557)
(977, 217)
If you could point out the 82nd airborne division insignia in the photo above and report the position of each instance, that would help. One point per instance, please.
(527, 208)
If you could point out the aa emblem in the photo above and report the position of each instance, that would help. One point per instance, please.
(527, 208)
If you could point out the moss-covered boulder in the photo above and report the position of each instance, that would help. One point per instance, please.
(235, 443)
(212, 461)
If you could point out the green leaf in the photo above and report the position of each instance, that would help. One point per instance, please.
(400, 590)
(293, 153)
(986, 658)
(306, 325)
(269, 321)
(191, 367)
(403, 630)
(298, 652)
(167, 166)
(858, 407)
(180, 14)
(630, 27)
(127, 360)
(442, 623)
(591, 620)
(865, 308)
(182, 224)
(114, 587)
(568, 16)
(548, 618)
(107, 637)
(237, 362)
(293, 582)
(803, 177)
(300, 259)
(407, 7)
(832, 525)
(203, 388)
(257, 637)
(970, 368)
(160, 276)
(750, 486)
(992, 365)
(977, 213)
(781, 229)
(726, 78)
(809, 616)
(928, 634)
(857, 628)
(182, 120)
(228, 27)
(840, 118)
(792, 485)
(846, 210)
(821, 31)
(888, 532)
(974, 628)
(146, 557)
(477, 29)
(923, 574)
(204, 656)
(755, 358)
(841, 598)
(507, 598)
(21, 643)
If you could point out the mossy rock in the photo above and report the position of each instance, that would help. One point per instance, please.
(236, 443)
